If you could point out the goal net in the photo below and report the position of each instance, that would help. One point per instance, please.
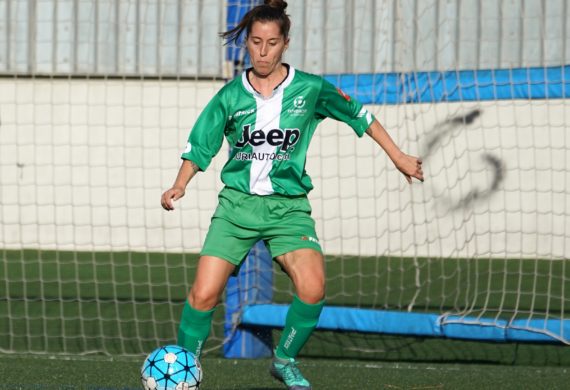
(97, 99)
(477, 89)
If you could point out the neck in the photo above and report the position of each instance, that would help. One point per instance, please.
(265, 84)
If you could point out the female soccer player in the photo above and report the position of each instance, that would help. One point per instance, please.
(268, 115)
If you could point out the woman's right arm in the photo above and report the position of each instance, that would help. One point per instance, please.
(204, 142)
(187, 171)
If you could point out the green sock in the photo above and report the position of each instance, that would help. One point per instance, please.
(194, 328)
(300, 322)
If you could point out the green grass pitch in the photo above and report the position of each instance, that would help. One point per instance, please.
(50, 299)
(28, 372)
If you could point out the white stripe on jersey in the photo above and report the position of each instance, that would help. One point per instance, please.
(268, 115)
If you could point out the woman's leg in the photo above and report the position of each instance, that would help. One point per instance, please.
(306, 269)
(211, 278)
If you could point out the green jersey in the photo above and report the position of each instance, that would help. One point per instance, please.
(269, 136)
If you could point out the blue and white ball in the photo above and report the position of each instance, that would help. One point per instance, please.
(171, 368)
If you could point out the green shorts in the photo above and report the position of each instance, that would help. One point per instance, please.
(241, 220)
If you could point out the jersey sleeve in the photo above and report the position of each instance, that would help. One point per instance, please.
(333, 103)
(207, 135)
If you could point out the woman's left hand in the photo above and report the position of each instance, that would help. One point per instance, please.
(410, 166)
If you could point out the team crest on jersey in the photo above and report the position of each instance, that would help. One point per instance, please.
(344, 95)
(299, 103)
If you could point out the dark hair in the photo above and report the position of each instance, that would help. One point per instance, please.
(269, 11)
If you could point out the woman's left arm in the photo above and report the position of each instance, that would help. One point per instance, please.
(410, 166)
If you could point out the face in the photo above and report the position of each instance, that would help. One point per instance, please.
(266, 46)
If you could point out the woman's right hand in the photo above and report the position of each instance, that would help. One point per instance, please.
(170, 196)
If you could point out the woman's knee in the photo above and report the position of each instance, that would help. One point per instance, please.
(306, 269)
(209, 283)
(201, 299)
(312, 289)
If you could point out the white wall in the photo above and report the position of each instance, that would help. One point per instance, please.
(367, 207)
(83, 165)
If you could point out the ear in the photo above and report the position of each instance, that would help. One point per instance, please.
(286, 44)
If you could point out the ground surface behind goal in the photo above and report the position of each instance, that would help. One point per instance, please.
(88, 304)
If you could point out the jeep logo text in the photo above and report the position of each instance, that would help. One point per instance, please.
(275, 137)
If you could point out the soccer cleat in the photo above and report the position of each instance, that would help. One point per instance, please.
(286, 371)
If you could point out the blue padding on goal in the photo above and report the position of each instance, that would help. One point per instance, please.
(456, 86)
(556, 330)
(487, 329)
(475, 328)
(349, 319)
(416, 324)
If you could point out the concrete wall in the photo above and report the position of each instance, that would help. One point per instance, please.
(83, 165)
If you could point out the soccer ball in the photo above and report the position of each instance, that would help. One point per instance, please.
(171, 368)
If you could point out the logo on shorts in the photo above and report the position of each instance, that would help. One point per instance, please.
(309, 238)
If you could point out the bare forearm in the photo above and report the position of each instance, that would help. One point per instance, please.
(187, 171)
(377, 132)
(410, 166)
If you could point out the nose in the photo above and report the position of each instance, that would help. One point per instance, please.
(263, 50)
